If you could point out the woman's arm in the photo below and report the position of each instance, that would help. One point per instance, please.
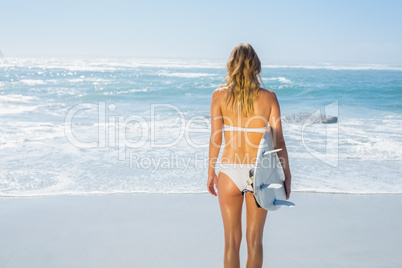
(279, 141)
(215, 140)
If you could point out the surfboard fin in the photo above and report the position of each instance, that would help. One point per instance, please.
(270, 152)
(283, 203)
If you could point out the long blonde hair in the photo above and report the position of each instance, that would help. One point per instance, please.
(243, 79)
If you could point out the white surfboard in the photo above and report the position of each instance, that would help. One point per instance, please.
(268, 177)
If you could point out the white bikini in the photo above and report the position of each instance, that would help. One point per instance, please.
(240, 173)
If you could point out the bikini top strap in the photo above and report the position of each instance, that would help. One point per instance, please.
(232, 128)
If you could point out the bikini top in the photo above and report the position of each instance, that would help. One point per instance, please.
(252, 129)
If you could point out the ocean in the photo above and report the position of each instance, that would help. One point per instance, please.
(83, 126)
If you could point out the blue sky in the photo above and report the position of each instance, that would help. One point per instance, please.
(293, 31)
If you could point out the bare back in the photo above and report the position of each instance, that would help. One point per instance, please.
(241, 146)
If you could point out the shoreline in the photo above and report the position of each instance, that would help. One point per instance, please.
(185, 230)
(184, 193)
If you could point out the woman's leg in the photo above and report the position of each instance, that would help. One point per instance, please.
(231, 202)
(255, 226)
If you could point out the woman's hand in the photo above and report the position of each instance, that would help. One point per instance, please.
(287, 183)
(212, 180)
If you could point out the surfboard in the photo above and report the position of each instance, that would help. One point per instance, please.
(267, 177)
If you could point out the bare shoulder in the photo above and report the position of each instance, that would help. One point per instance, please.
(218, 94)
(267, 95)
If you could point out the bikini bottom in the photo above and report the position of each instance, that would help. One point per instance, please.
(240, 174)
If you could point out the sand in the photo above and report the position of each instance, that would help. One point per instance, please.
(185, 230)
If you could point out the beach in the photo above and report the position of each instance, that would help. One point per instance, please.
(185, 230)
(104, 164)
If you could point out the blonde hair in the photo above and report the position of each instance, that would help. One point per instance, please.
(243, 79)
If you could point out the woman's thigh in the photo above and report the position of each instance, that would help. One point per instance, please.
(231, 203)
(255, 219)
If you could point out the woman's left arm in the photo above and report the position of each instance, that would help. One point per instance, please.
(215, 140)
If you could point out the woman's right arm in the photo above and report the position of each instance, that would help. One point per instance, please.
(279, 141)
(215, 141)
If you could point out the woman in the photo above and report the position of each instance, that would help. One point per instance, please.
(241, 110)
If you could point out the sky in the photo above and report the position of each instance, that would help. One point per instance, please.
(281, 31)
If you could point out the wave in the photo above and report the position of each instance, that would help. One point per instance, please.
(126, 91)
(361, 67)
(16, 109)
(106, 64)
(279, 79)
(329, 191)
(17, 98)
(32, 82)
(14, 134)
(186, 75)
(111, 64)
(16, 103)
